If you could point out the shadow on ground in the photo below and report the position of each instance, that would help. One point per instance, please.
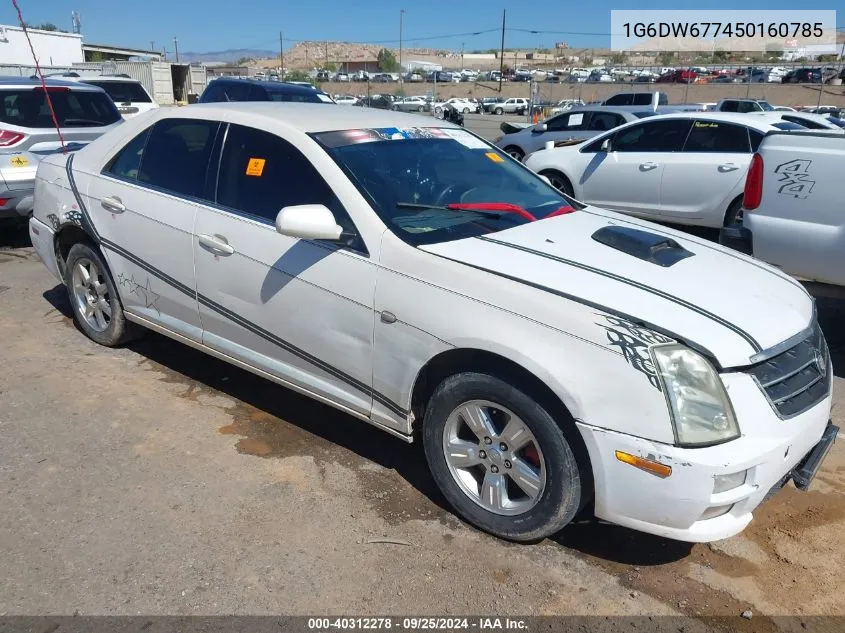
(13, 235)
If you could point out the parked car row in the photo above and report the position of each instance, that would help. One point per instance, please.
(550, 356)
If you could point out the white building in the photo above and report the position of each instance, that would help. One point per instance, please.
(421, 65)
(51, 47)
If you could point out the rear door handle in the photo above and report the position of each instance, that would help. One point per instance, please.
(113, 204)
(728, 167)
(217, 244)
(648, 166)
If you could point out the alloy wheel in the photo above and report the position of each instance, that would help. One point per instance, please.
(494, 457)
(91, 295)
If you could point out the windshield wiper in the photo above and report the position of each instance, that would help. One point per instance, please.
(494, 207)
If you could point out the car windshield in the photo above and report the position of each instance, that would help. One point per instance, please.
(123, 91)
(411, 175)
(767, 107)
(74, 108)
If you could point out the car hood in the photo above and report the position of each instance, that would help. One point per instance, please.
(734, 308)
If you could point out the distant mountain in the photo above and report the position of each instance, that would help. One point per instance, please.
(230, 55)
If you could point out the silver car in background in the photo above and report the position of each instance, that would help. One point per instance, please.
(577, 124)
(28, 133)
(412, 104)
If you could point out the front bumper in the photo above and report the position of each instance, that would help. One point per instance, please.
(771, 452)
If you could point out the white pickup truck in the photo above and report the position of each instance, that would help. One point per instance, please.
(793, 216)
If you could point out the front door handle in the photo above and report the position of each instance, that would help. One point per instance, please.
(216, 243)
(648, 166)
(113, 204)
(728, 167)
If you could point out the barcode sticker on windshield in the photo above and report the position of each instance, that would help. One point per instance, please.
(465, 138)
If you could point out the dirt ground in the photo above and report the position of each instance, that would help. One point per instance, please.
(153, 479)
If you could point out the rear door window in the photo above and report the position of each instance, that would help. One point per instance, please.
(127, 163)
(601, 121)
(652, 136)
(74, 108)
(715, 136)
(176, 156)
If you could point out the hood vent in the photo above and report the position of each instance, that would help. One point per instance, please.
(650, 247)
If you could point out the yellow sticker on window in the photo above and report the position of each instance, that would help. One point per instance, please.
(494, 157)
(19, 161)
(255, 166)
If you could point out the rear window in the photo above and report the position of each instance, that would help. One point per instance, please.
(123, 91)
(74, 108)
(787, 125)
(308, 96)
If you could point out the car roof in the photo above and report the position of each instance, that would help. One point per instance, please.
(108, 78)
(314, 117)
(274, 86)
(762, 121)
(27, 82)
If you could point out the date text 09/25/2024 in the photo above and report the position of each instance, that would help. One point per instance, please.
(417, 623)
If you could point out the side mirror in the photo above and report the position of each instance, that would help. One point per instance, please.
(605, 145)
(308, 222)
(540, 128)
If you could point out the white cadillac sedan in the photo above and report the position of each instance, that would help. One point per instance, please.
(549, 355)
(684, 168)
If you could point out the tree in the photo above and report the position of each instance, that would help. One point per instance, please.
(243, 61)
(617, 59)
(387, 61)
(297, 75)
(665, 59)
(47, 26)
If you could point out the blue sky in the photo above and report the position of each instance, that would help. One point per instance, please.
(211, 25)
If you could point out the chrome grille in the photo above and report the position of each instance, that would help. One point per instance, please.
(797, 379)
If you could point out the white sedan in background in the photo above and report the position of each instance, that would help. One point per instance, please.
(546, 354)
(685, 168)
(460, 104)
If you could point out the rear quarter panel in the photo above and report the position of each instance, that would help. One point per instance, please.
(800, 224)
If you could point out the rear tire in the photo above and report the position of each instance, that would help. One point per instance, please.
(734, 213)
(559, 181)
(94, 300)
(499, 111)
(500, 458)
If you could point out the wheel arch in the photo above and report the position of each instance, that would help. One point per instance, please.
(545, 169)
(447, 363)
(64, 239)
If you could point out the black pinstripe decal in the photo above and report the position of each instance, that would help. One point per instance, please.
(664, 295)
(225, 312)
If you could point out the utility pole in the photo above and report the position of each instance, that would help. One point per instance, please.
(327, 57)
(176, 48)
(152, 45)
(462, 55)
(502, 53)
(281, 56)
(401, 67)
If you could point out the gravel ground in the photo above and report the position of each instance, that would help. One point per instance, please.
(153, 479)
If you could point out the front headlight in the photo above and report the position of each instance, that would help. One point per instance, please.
(701, 410)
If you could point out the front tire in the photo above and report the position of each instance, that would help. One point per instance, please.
(94, 300)
(500, 458)
(499, 111)
(559, 181)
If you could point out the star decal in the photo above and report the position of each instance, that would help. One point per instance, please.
(145, 292)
